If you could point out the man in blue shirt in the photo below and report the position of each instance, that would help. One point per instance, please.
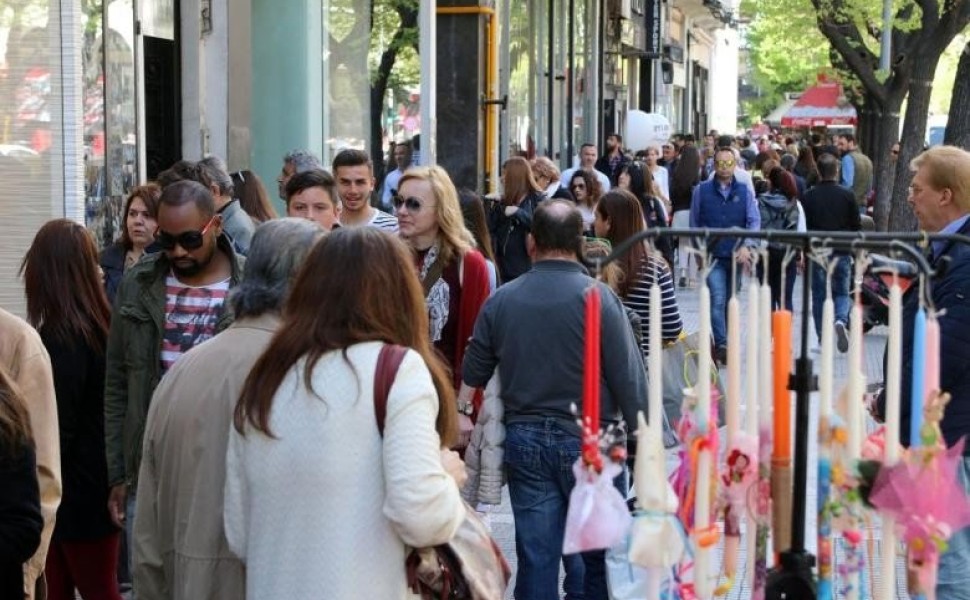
(940, 197)
(721, 203)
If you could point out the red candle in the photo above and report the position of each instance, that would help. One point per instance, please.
(591, 371)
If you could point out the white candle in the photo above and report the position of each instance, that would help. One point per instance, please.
(894, 371)
(751, 385)
(703, 386)
(825, 387)
(703, 585)
(857, 386)
(655, 360)
(766, 379)
(734, 368)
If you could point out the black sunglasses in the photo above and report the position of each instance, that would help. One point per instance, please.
(189, 240)
(411, 203)
(578, 186)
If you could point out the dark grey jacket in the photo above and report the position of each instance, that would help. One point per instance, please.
(533, 330)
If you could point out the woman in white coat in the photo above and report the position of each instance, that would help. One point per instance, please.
(318, 503)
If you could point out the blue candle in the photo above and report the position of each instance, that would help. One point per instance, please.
(919, 378)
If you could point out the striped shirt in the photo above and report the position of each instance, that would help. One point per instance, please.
(383, 221)
(638, 299)
(191, 315)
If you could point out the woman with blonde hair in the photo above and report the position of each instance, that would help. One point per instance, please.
(510, 220)
(549, 178)
(453, 273)
(318, 500)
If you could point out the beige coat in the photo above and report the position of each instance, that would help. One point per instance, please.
(180, 548)
(25, 358)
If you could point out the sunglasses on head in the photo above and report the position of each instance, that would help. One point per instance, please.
(411, 203)
(188, 240)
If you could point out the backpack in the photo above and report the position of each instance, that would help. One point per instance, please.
(774, 218)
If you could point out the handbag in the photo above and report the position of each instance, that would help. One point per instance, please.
(680, 372)
(470, 566)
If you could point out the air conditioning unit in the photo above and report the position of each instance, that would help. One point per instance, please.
(620, 9)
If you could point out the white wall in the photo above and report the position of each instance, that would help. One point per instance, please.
(205, 81)
(724, 81)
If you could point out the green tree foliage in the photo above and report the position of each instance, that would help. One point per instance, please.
(921, 31)
(786, 49)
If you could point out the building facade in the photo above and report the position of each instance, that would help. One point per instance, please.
(98, 95)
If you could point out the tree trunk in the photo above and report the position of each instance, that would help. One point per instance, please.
(883, 167)
(901, 217)
(958, 121)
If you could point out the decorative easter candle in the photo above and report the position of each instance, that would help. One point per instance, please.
(591, 380)
(751, 405)
(919, 377)
(894, 352)
(703, 585)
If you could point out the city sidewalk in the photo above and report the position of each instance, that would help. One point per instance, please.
(875, 341)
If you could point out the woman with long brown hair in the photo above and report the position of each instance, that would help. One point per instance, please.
(67, 305)
(311, 484)
(510, 220)
(618, 218)
(137, 236)
(248, 188)
(20, 519)
(806, 167)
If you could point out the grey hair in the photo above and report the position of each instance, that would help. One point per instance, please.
(276, 253)
(213, 170)
(302, 160)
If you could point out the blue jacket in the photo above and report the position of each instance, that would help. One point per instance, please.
(711, 208)
(951, 294)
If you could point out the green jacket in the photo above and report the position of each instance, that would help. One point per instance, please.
(134, 358)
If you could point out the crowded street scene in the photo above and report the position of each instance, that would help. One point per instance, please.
(484, 300)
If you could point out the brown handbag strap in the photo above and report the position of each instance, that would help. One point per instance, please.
(388, 362)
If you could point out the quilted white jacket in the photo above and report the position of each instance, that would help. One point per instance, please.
(486, 451)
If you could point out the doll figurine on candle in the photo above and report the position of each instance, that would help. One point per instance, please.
(924, 520)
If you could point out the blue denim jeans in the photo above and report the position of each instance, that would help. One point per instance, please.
(953, 580)
(841, 281)
(539, 458)
(719, 282)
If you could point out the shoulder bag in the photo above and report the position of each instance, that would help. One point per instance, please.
(471, 565)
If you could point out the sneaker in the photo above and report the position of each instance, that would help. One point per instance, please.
(720, 355)
(841, 337)
(682, 283)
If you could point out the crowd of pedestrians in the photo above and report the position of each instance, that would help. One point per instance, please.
(197, 401)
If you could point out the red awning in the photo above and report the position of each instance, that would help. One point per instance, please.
(822, 105)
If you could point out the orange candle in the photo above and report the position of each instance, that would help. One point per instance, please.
(781, 323)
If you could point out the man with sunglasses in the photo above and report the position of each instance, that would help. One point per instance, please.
(166, 304)
(721, 203)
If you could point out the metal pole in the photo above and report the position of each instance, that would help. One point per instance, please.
(428, 49)
(887, 30)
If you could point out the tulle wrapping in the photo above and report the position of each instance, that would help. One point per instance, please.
(598, 517)
(927, 500)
